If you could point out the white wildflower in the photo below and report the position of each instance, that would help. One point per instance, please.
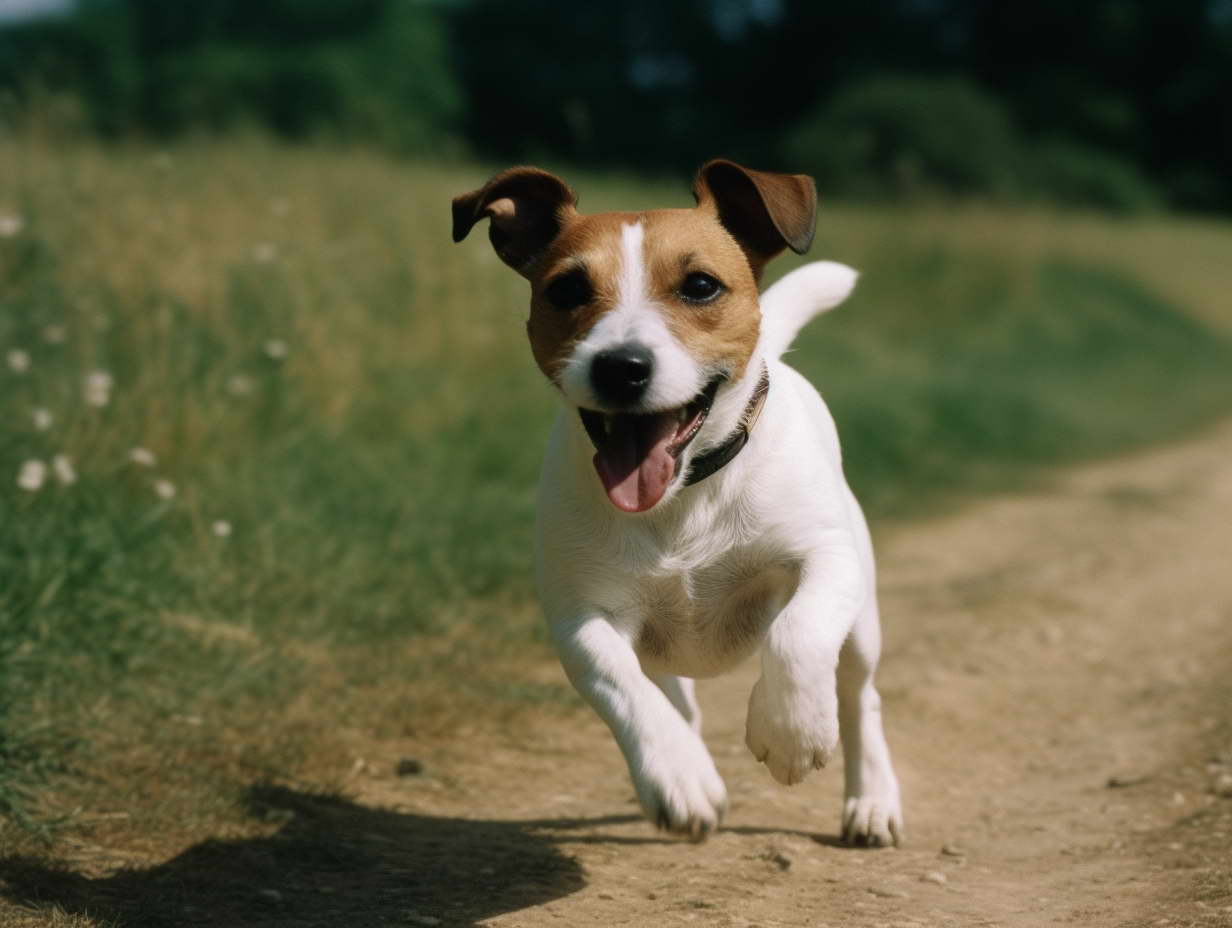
(42, 418)
(19, 361)
(165, 489)
(221, 528)
(98, 388)
(264, 252)
(55, 334)
(33, 474)
(142, 456)
(11, 224)
(276, 348)
(239, 385)
(63, 467)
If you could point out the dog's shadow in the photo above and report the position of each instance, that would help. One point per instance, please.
(332, 862)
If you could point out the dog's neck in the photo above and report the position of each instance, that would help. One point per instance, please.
(713, 459)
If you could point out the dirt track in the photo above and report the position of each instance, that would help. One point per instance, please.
(1037, 646)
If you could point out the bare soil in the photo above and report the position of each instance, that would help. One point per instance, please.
(1058, 696)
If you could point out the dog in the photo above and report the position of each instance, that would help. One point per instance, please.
(692, 505)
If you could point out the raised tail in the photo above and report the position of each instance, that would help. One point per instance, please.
(795, 299)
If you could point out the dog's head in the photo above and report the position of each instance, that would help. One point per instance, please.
(642, 319)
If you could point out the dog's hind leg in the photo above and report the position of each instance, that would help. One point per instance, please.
(679, 691)
(872, 812)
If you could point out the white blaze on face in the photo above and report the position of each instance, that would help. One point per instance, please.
(635, 319)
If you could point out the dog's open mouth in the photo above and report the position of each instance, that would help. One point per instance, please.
(638, 454)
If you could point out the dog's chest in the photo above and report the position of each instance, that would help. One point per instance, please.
(699, 621)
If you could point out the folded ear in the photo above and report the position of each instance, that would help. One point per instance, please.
(764, 212)
(527, 206)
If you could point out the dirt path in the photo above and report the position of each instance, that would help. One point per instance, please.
(1037, 647)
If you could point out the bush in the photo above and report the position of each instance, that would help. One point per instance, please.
(1079, 175)
(906, 136)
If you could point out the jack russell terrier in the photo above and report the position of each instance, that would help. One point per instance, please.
(692, 505)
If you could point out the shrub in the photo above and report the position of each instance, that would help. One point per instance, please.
(905, 137)
(1076, 174)
(896, 136)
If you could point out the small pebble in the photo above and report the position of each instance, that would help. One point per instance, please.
(933, 876)
(270, 895)
(782, 861)
(887, 893)
(1223, 786)
(953, 850)
(408, 767)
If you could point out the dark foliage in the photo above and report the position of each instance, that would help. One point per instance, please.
(361, 69)
(1072, 101)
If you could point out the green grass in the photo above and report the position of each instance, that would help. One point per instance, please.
(379, 479)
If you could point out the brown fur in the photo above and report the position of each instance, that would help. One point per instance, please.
(721, 335)
(687, 619)
(743, 218)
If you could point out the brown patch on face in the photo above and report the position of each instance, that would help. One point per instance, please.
(589, 245)
(719, 334)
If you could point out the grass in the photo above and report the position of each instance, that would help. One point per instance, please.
(376, 478)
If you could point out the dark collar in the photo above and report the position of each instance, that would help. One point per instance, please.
(717, 457)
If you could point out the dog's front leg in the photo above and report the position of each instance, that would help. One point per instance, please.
(792, 724)
(675, 779)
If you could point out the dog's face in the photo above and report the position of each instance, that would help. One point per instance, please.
(640, 319)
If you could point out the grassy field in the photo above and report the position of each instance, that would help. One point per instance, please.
(291, 433)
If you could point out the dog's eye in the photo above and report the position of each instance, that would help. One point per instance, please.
(700, 288)
(569, 290)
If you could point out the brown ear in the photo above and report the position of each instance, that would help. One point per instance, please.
(527, 207)
(764, 212)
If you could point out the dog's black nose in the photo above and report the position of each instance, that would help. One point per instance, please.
(620, 375)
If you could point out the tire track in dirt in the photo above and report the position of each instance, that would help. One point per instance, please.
(1037, 645)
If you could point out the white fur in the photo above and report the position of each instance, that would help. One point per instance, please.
(635, 319)
(799, 297)
(771, 551)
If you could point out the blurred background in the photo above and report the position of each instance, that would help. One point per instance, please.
(269, 440)
(1119, 104)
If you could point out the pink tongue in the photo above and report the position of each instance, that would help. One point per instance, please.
(634, 463)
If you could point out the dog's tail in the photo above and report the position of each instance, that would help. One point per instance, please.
(795, 299)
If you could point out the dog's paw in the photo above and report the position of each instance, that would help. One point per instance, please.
(873, 820)
(679, 789)
(792, 732)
